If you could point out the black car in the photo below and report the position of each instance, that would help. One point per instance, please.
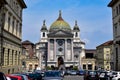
(81, 72)
(104, 75)
(91, 75)
(52, 75)
(35, 76)
(2, 76)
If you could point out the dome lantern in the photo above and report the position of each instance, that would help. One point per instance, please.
(76, 28)
(44, 26)
(60, 24)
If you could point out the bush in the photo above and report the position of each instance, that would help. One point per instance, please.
(75, 68)
(49, 68)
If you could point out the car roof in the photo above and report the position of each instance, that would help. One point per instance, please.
(14, 76)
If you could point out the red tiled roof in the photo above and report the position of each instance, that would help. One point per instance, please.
(27, 42)
(106, 43)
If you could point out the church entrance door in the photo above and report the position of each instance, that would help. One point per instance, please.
(61, 65)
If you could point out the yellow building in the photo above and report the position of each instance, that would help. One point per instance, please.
(88, 62)
(104, 55)
(11, 36)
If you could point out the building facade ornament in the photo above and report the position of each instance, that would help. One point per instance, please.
(61, 41)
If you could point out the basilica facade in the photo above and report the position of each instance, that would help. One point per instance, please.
(60, 45)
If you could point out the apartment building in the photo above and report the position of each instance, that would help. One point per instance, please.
(88, 61)
(115, 5)
(104, 55)
(11, 36)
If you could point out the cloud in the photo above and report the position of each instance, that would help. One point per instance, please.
(86, 40)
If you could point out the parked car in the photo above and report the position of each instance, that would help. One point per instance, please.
(116, 76)
(73, 72)
(2, 76)
(104, 75)
(8, 78)
(91, 75)
(111, 74)
(24, 77)
(35, 76)
(39, 71)
(14, 77)
(67, 72)
(52, 75)
(81, 72)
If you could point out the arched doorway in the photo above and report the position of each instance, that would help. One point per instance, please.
(61, 65)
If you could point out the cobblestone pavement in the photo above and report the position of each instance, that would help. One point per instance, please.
(73, 78)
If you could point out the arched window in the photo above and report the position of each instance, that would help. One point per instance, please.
(76, 34)
(43, 34)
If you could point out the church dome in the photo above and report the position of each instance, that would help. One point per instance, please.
(60, 24)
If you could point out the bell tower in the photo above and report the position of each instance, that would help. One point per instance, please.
(44, 32)
(76, 32)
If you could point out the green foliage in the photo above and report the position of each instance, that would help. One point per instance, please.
(49, 68)
(75, 68)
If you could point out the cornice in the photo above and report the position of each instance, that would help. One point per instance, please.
(112, 3)
(22, 3)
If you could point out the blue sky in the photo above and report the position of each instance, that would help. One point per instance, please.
(93, 16)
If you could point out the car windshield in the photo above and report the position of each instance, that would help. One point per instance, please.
(114, 73)
(13, 78)
(52, 74)
(92, 73)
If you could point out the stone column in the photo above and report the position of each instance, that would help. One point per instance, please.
(40, 58)
(55, 58)
(72, 49)
(48, 49)
(87, 66)
(65, 55)
(18, 29)
(11, 27)
(14, 31)
(10, 57)
(5, 57)
(54, 53)
(13, 57)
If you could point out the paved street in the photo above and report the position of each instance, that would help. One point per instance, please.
(73, 78)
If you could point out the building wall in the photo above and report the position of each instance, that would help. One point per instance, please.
(104, 57)
(12, 35)
(116, 33)
(107, 56)
(31, 60)
(88, 63)
(100, 59)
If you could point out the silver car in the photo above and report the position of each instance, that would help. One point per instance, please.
(52, 75)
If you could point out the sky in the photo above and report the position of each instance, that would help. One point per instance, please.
(94, 19)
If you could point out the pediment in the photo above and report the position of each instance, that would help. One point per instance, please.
(60, 33)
